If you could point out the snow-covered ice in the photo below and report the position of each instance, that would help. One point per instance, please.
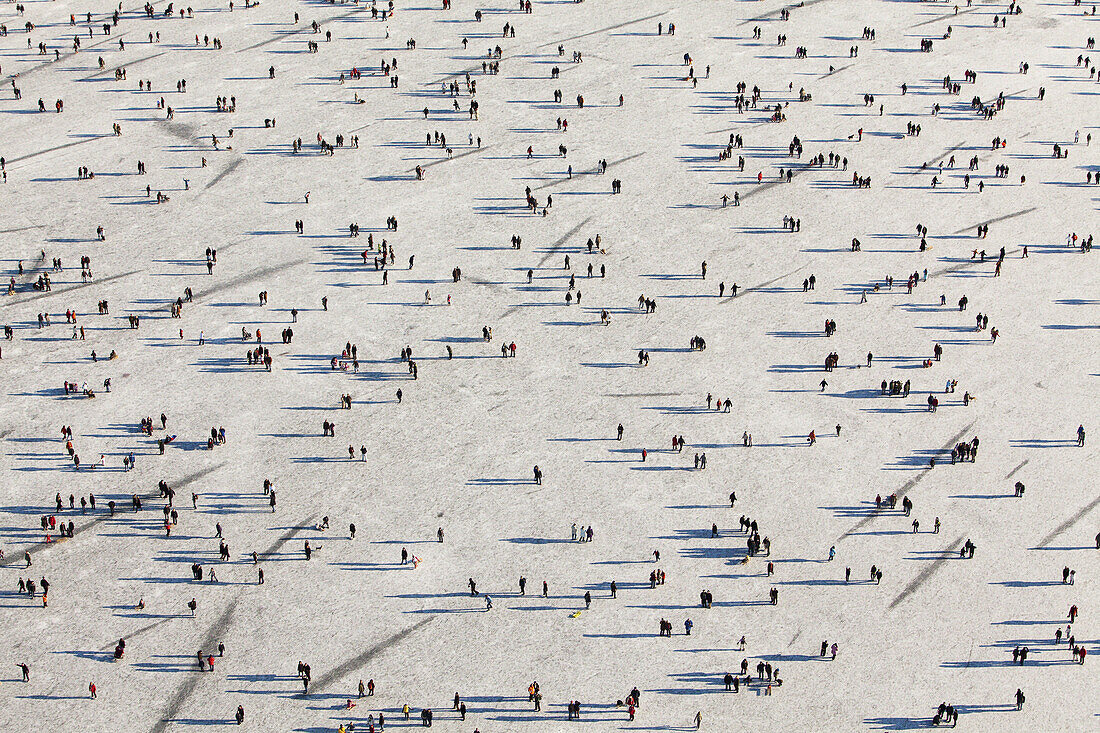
(458, 450)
